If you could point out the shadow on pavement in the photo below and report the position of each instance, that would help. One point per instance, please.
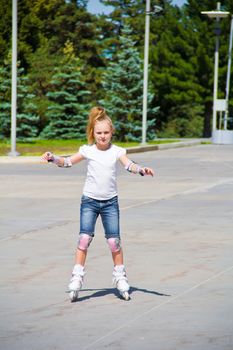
(106, 291)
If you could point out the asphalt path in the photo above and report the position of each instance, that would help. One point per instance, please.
(177, 233)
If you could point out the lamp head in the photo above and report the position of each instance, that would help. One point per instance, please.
(215, 14)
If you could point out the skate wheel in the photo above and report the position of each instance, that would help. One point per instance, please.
(126, 296)
(73, 295)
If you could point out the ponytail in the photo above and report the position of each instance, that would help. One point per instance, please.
(96, 114)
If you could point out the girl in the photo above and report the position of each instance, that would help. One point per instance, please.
(99, 196)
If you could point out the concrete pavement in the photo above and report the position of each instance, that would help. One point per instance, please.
(177, 237)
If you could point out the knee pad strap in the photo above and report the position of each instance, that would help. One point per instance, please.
(84, 241)
(114, 244)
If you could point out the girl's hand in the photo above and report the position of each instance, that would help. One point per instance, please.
(48, 157)
(146, 171)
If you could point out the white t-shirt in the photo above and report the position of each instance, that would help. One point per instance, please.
(101, 171)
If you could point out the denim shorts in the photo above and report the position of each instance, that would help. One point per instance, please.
(107, 209)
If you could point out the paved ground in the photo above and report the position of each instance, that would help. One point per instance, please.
(177, 234)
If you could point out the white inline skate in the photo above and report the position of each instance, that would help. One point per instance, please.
(120, 281)
(76, 282)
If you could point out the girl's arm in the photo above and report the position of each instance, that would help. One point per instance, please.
(135, 168)
(65, 162)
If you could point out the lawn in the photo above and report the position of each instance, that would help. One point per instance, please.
(60, 147)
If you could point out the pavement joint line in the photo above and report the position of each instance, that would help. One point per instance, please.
(145, 313)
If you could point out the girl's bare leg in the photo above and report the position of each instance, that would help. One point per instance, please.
(118, 257)
(80, 257)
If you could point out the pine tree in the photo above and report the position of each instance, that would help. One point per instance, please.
(123, 89)
(68, 109)
(27, 118)
(5, 101)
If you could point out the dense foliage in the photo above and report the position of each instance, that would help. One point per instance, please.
(123, 86)
(70, 60)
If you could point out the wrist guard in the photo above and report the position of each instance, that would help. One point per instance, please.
(56, 160)
(138, 170)
(53, 159)
(67, 162)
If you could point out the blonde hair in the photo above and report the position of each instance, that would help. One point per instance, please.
(96, 114)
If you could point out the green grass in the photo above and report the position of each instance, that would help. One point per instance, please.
(60, 147)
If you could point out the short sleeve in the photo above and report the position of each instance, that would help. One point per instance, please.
(121, 152)
(83, 150)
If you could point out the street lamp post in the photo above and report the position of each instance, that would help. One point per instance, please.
(156, 10)
(216, 14)
(14, 80)
(228, 75)
(145, 78)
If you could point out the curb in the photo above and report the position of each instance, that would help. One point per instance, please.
(136, 149)
(20, 160)
(163, 146)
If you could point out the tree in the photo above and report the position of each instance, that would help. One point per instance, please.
(5, 29)
(123, 87)
(124, 12)
(181, 58)
(5, 101)
(55, 22)
(69, 107)
(173, 65)
(204, 29)
(40, 75)
(174, 77)
(27, 118)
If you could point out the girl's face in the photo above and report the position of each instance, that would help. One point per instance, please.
(102, 134)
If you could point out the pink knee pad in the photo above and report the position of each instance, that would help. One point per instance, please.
(84, 241)
(114, 244)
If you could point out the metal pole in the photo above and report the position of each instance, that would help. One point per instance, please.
(228, 76)
(14, 80)
(216, 74)
(145, 79)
